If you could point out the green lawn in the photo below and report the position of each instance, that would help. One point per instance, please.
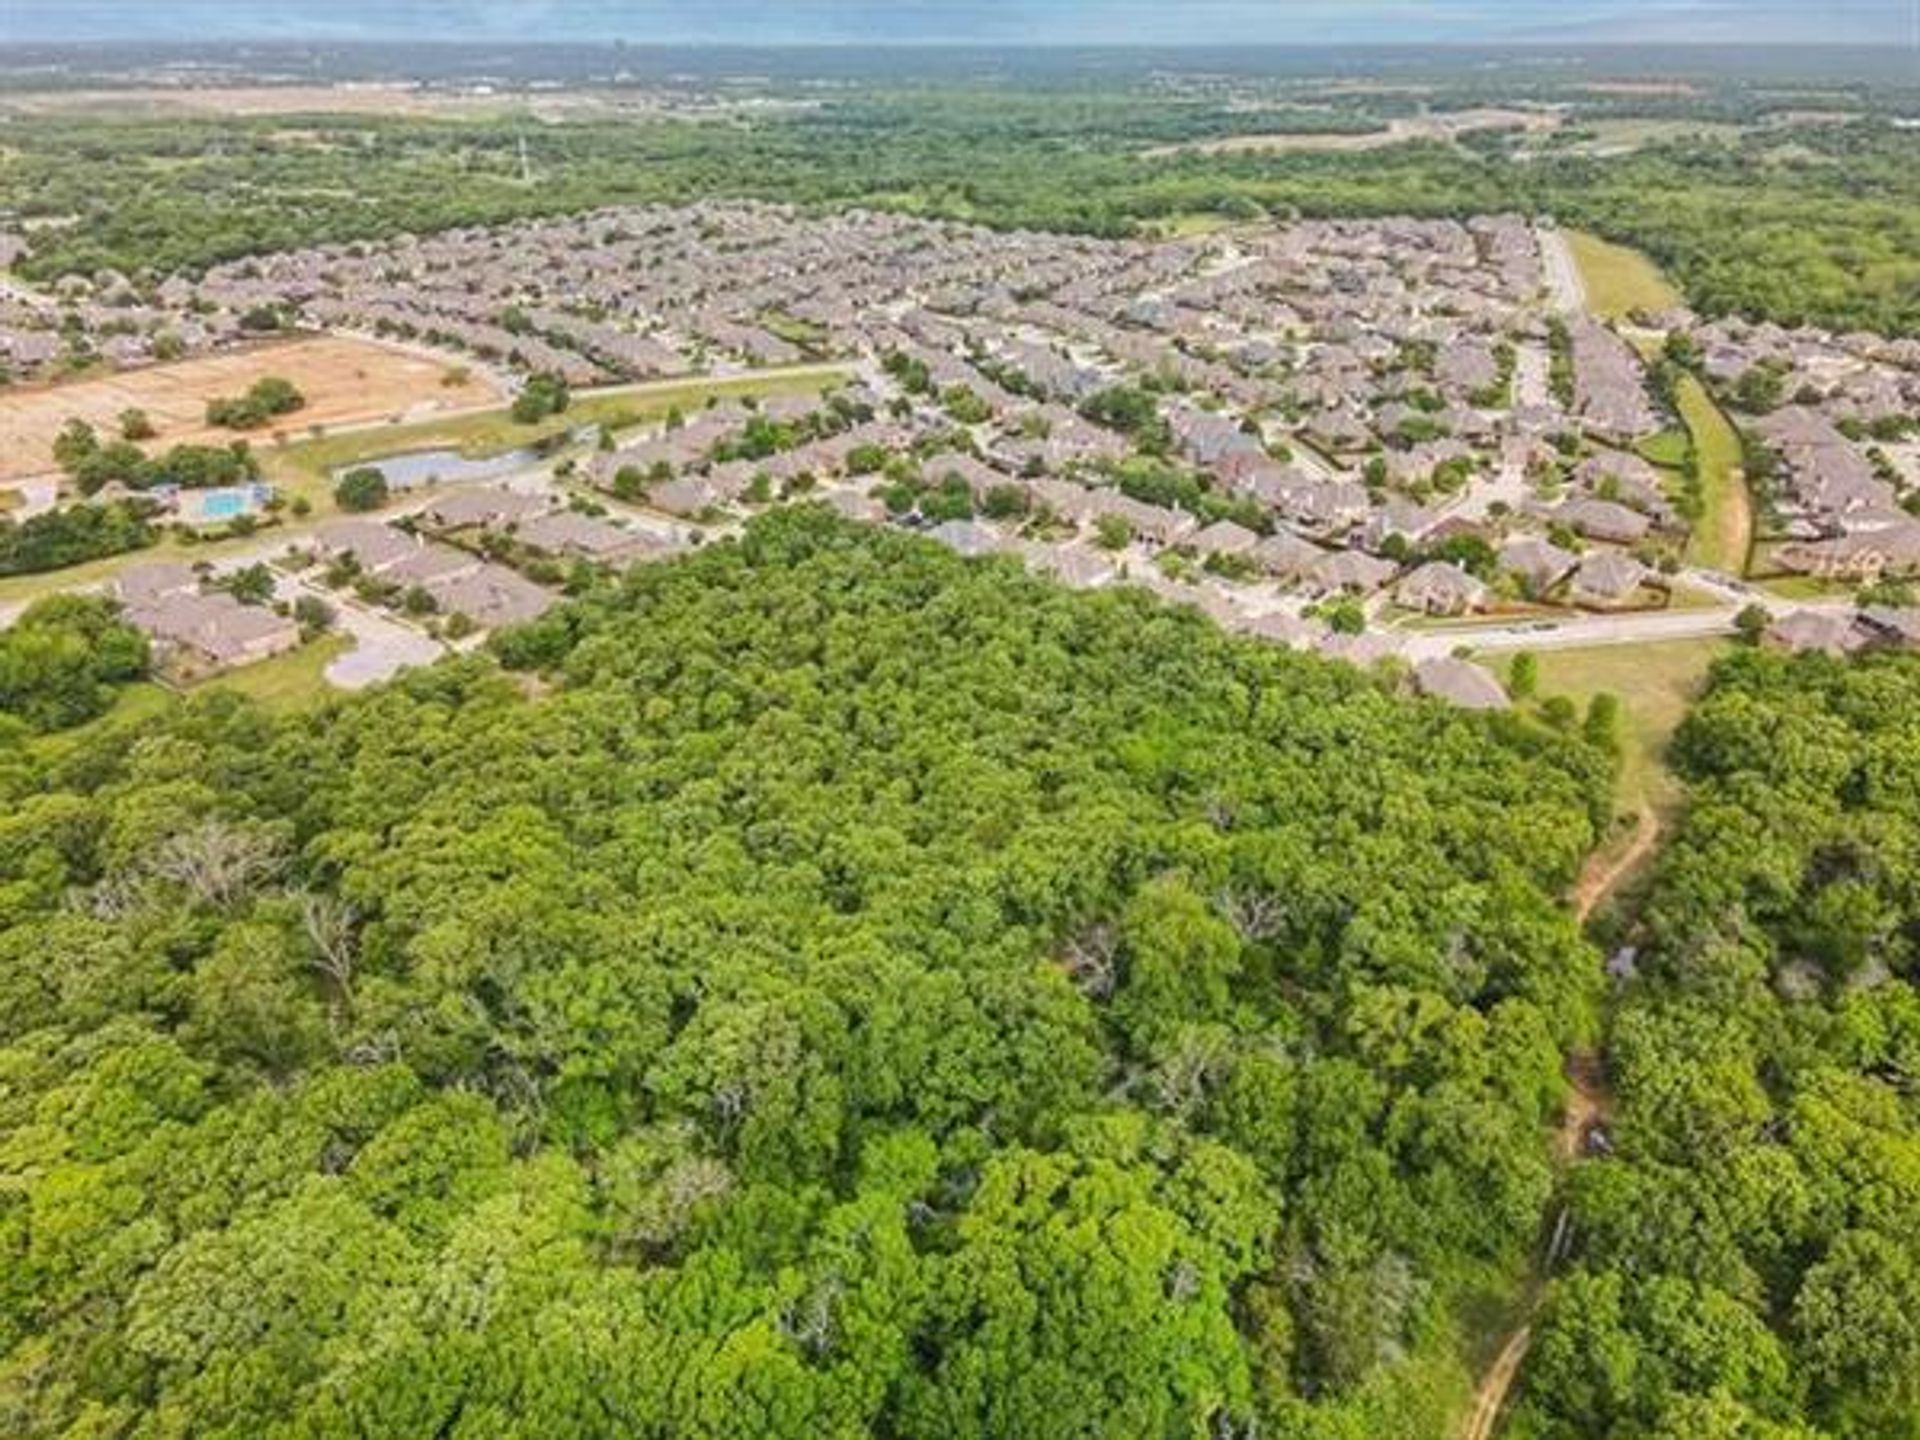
(1618, 280)
(294, 681)
(1724, 535)
(1806, 587)
(1656, 683)
(1668, 448)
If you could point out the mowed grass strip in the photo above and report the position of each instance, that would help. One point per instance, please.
(1618, 280)
(1723, 538)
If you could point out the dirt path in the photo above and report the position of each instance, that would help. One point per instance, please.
(1492, 1395)
(1605, 874)
(1588, 1105)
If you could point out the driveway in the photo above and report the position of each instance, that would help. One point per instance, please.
(382, 647)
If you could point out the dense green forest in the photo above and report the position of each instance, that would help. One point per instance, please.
(818, 987)
(1813, 223)
(1749, 1263)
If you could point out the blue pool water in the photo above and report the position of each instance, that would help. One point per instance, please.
(225, 504)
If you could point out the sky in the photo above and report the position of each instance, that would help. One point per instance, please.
(991, 22)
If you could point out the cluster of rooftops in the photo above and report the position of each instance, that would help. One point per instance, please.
(1368, 409)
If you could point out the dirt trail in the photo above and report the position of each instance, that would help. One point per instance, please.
(1605, 874)
(1492, 1395)
(1588, 1105)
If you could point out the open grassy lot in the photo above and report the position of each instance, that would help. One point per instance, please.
(1806, 587)
(1724, 536)
(1656, 684)
(1618, 280)
(1619, 137)
(346, 381)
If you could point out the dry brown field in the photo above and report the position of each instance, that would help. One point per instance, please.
(346, 381)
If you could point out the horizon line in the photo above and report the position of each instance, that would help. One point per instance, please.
(946, 43)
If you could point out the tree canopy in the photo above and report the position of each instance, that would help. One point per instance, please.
(1749, 1262)
(859, 992)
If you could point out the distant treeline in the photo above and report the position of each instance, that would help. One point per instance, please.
(1808, 224)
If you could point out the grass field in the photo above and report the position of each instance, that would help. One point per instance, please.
(1724, 537)
(1618, 137)
(1668, 448)
(289, 682)
(1656, 684)
(1618, 280)
(345, 381)
(1806, 587)
(285, 684)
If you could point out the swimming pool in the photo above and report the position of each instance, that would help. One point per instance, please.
(224, 504)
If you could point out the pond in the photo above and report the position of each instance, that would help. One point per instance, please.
(444, 467)
(449, 467)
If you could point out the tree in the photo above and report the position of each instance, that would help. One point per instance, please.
(1602, 726)
(135, 424)
(542, 396)
(1523, 676)
(1857, 1323)
(268, 397)
(251, 584)
(361, 488)
(1113, 532)
(1752, 622)
(314, 616)
(1078, 1060)
(62, 659)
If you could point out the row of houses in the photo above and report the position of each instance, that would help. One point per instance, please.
(196, 630)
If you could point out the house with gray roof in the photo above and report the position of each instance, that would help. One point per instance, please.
(1607, 579)
(1538, 564)
(1460, 683)
(492, 596)
(1441, 588)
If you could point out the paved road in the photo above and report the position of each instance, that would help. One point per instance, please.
(1563, 276)
(1584, 631)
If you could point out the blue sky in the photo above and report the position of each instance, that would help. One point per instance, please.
(976, 21)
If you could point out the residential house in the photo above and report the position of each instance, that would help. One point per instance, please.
(1539, 564)
(489, 505)
(1441, 588)
(1224, 538)
(1460, 683)
(1607, 579)
(574, 536)
(1604, 520)
(492, 596)
(212, 631)
(1348, 572)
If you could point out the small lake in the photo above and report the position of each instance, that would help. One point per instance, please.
(444, 467)
(414, 468)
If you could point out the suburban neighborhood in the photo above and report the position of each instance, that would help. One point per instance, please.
(1367, 438)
